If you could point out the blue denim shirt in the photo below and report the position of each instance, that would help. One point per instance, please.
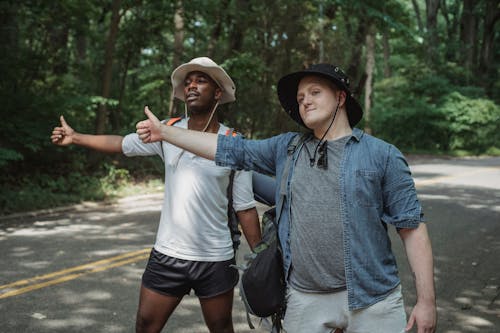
(376, 190)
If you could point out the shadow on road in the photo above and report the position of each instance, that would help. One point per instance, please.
(461, 201)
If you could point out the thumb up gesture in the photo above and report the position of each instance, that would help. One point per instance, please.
(62, 135)
(149, 130)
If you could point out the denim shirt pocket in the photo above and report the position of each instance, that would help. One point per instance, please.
(368, 188)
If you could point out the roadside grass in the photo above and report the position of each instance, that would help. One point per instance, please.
(491, 152)
(32, 196)
(43, 191)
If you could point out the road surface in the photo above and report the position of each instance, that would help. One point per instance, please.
(78, 268)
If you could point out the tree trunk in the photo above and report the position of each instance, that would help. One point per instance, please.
(387, 54)
(370, 67)
(417, 15)
(237, 27)
(10, 51)
(108, 66)
(354, 70)
(446, 16)
(217, 30)
(452, 16)
(468, 36)
(178, 51)
(116, 113)
(490, 20)
(58, 37)
(81, 46)
(432, 7)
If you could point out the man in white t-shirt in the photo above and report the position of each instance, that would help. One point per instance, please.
(193, 248)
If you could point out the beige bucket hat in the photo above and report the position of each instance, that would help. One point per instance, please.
(209, 67)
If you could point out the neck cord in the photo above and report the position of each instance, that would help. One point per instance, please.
(178, 158)
(312, 160)
(211, 116)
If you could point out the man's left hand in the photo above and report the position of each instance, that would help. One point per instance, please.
(425, 316)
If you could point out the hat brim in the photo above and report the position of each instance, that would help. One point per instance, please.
(217, 74)
(287, 94)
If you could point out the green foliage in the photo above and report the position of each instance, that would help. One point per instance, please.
(493, 151)
(251, 112)
(474, 123)
(42, 191)
(95, 101)
(422, 110)
(406, 112)
(51, 67)
(7, 155)
(114, 178)
(412, 127)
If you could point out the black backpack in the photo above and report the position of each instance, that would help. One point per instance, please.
(263, 286)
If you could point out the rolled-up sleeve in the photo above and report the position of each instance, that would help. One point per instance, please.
(242, 191)
(401, 205)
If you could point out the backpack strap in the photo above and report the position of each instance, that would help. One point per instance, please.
(169, 122)
(232, 218)
(296, 142)
(172, 121)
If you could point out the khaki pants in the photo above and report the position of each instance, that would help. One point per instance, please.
(323, 313)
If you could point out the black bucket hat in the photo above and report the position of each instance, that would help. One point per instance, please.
(288, 85)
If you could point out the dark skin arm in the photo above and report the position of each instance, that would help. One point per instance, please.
(249, 221)
(64, 135)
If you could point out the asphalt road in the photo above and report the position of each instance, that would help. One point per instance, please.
(78, 268)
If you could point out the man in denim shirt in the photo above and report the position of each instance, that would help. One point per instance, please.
(342, 188)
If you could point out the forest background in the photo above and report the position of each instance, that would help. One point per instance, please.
(425, 71)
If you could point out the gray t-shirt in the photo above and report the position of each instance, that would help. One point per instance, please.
(316, 225)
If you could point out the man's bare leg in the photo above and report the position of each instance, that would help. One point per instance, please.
(154, 310)
(217, 312)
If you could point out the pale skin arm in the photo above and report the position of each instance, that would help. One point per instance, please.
(64, 135)
(249, 221)
(419, 253)
(199, 143)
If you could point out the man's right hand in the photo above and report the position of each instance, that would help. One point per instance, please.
(63, 135)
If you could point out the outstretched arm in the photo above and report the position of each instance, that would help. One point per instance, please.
(419, 253)
(64, 135)
(199, 143)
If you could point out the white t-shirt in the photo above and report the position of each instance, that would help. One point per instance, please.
(193, 223)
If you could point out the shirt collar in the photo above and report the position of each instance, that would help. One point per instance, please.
(357, 133)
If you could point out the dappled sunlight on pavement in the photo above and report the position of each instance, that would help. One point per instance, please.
(91, 258)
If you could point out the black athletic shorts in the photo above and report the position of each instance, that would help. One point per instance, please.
(176, 277)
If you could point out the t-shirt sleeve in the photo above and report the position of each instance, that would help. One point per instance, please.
(242, 191)
(133, 146)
